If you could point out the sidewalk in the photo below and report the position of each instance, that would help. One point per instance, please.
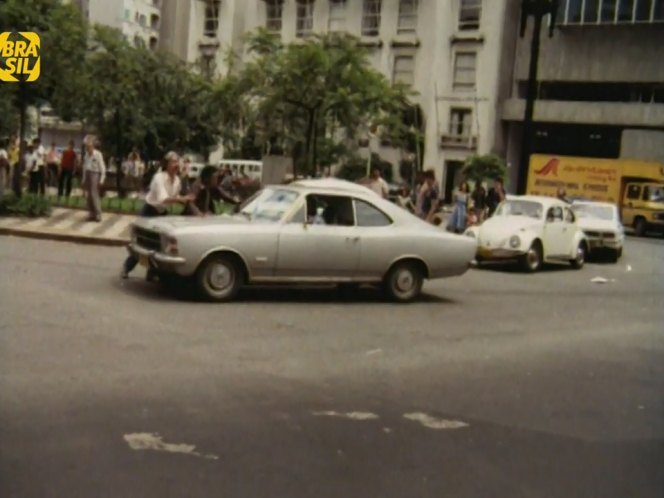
(71, 225)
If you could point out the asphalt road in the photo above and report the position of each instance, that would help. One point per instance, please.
(495, 384)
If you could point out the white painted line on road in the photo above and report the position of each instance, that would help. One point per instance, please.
(153, 442)
(350, 415)
(629, 268)
(373, 352)
(434, 423)
(601, 280)
(387, 430)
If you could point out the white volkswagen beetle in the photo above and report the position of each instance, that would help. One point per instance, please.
(531, 230)
(600, 221)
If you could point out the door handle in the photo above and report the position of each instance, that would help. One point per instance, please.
(352, 239)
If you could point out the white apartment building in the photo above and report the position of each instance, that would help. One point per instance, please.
(139, 20)
(449, 51)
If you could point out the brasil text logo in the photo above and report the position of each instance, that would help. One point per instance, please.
(20, 57)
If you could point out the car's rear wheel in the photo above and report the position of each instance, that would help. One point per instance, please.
(580, 257)
(404, 281)
(532, 260)
(615, 255)
(219, 278)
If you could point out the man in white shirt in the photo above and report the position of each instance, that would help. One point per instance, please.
(4, 169)
(164, 191)
(377, 184)
(94, 174)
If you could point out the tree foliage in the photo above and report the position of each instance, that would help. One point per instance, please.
(480, 168)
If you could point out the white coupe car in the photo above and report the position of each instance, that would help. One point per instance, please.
(600, 221)
(531, 230)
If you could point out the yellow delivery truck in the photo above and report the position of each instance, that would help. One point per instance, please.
(637, 187)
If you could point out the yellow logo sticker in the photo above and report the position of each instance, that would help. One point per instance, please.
(20, 58)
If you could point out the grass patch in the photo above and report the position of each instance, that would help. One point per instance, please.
(123, 206)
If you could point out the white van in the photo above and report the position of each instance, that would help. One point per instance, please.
(239, 167)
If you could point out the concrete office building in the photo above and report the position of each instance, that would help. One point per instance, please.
(138, 20)
(600, 83)
(449, 51)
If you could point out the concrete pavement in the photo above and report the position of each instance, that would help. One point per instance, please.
(495, 383)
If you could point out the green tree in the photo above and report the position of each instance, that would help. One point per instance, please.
(480, 168)
(316, 93)
(63, 37)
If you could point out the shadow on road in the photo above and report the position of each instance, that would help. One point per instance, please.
(271, 294)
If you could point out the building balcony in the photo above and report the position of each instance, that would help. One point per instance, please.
(598, 113)
(450, 141)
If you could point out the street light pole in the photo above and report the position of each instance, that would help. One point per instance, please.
(538, 9)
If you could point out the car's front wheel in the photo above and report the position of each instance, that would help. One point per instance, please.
(532, 260)
(219, 278)
(404, 281)
(580, 257)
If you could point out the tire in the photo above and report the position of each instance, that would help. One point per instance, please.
(347, 290)
(532, 260)
(615, 255)
(640, 227)
(580, 259)
(219, 278)
(403, 283)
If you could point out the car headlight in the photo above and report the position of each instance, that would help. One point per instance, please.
(515, 241)
(170, 245)
(470, 233)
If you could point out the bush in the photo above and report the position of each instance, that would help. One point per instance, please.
(30, 206)
(355, 168)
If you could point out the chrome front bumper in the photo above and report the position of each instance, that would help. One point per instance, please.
(154, 259)
(498, 253)
(600, 243)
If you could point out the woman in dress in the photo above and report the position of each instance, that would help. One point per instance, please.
(458, 220)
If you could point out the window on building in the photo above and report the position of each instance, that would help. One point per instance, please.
(154, 43)
(404, 69)
(371, 17)
(304, 24)
(139, 42)
(461, 123)
(470, 12)
(154, 21)
(211, 23)
(273, 15)
(407, 16)
(611, 11)
(337, 21)
(142, 20)
(127, 14)
(464, 71)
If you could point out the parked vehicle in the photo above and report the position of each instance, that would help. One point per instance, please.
(531, 230)
(600, 222)
(273, 239)
(636, 187)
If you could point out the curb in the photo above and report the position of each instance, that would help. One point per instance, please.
(61, 237)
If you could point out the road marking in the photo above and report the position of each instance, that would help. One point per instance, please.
(373, 352)
(350, 415)
(153, 442)
(434, 423)
(629, 268)
(601, 280)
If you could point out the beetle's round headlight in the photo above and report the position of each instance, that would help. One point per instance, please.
(470, 233)
(515, 241)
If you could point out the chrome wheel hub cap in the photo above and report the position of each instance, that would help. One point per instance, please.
(220, 277)
(532, 258)
(405, 281)
(580, 254)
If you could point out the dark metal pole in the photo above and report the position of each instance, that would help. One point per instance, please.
(531, 96)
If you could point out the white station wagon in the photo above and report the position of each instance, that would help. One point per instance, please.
(600, 221)
(531, 230)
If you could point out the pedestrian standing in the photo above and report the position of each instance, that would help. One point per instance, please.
(94, 174)
(479, 201)
(19, 168)
(31, 169)
(164, 191)
(495, 196)
(377, 184)
(38, 168)
(67, 167)
(459, 217)
(430, 197)
(52, 161)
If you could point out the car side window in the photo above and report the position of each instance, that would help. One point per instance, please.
(335, 210)
(633, 191)
(554, 214)
(370, 216)
(646, 194)
(569, 216)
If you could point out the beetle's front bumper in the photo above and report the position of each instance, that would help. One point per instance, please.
(498, 253)
(154, 259)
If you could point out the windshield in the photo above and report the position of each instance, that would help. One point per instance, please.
(656, 193)
(593, 211)
(269, 205)
(531, 209)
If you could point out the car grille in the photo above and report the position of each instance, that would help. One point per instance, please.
(604, 235)
(147, 239)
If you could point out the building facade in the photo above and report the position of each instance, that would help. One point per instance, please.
(448, 51)
(139, 20)
(600, 84)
